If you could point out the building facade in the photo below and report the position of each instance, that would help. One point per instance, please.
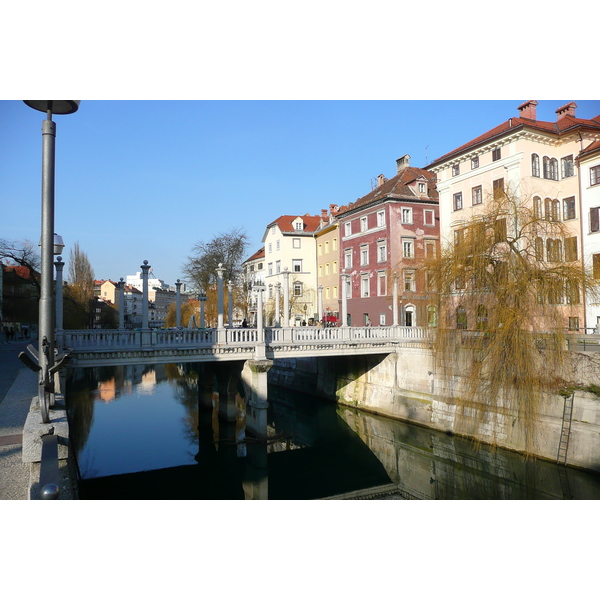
(386, 236)
(534, 161)
(328, 266)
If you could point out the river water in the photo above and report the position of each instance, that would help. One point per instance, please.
(145, 432)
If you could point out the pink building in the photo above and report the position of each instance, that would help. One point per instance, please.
(384, 238)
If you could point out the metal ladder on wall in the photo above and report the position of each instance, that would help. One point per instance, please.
(565, 434)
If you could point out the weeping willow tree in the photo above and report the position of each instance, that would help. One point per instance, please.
(505, 288)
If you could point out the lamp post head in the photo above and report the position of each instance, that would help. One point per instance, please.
(58, 244)
(57, 107)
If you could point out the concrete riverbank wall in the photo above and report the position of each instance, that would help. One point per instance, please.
(404, 386)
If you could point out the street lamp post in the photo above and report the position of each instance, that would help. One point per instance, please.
(59, 264)
(178, 305)
(46, 319)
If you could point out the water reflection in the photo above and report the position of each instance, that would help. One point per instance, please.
(153, 432)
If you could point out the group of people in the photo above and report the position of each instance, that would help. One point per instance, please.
(10, 335)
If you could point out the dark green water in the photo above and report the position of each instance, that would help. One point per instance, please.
(144, 432)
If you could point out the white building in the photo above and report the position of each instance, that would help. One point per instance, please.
(153, 282)
(589, 175)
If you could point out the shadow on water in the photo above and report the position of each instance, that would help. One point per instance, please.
(154, 433)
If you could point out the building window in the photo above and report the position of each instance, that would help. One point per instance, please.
(432, 316)
(320, 249)
(326, 247)
(535, 165)
(537, 207)
(320, 271)
(348, 259)
(539, 248)
(381, 218)
(422, 188)
(594, 219)
(270, 248)
(574, 323)
(363, 223)
(408, 248)
(382, 320)
(364, 286)
(326, 293)
(297, 265)
(571, 249)
(348, 228)
(567, 166)
(278, 245)
(455, 170)
(335, 292)
(596, 266)
(569, 208)
(496, 154)
(553, 250)
(572, 292)
(299, 225)
(381, 251)
(550, 168)
(381, 284)
(409, 281)
(364, 255)
(298, 288)
(278, 266)
(407, 216)
(334, 244)
(461, 317)
(498, 188)
(457, 201)
(428, 217)
(295, 242)
(595, 175)
(475, 162)
(430, 251)
(335, 267)
(326, 269)
(270, 268)
(477, 195)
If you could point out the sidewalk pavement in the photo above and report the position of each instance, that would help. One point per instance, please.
(18, 386)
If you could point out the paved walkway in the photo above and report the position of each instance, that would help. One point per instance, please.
(18, 385)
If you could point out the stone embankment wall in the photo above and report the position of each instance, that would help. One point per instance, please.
(404, 386)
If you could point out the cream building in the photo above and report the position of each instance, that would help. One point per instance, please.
(535, 160)
(290, 247)
(328, 268)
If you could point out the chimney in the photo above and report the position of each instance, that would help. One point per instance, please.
(333, 209)
(566, 110)
(324, 218)
(528, 109)
(381, 180)
(403, 162)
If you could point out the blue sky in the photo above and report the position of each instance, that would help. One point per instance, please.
(146, 180)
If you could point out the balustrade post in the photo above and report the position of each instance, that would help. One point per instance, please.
(121, 286)
(344, 315)
(202, 298)
(277, 300)
(286, 297)
(230, 303)
(260, 332)
(178, 305)
(220, 303)
(320, 302)
(395, 302)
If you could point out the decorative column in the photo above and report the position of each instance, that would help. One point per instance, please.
(344, 315)
(395, 301)
(178, 305)
(320, 302)
(230, 303)
(220, 303)
(260, 332)
(121, 286)
(59, 264)
(145, 268)
(202, 298)
(277, 300)
(286, 297)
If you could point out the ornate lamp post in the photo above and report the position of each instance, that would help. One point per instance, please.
(121, 286)
(178, 305)
(220, 302)
(145, 268)
(46, 325)
(202, 298)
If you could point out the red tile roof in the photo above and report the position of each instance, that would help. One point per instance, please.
(258, 254)
(285, 223)
(563, 124)
(593, 147)
(398, 187)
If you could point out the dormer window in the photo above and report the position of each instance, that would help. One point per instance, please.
(298, 225)
(422, 188)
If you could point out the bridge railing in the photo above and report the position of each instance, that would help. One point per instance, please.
(102, 339)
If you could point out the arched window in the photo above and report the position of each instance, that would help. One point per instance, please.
(535, 165)
(432, 316)
(482, 317)
(539, 248)
(409, 316)
(461, 318)
(537, 207)
(548, 209)
(554, 169)
(546, 163)
(555, 210)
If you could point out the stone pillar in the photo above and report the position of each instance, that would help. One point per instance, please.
(220, 302)
(59, 264)
(230, 303)
(255, 378)
(395, 301)
(277, 300)
(145, 268)
(260, 331)
(320, 303)
(286, 297)
(178, 305)
(121, 286)
(227, 391)
(202, 298)
(344, 315)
